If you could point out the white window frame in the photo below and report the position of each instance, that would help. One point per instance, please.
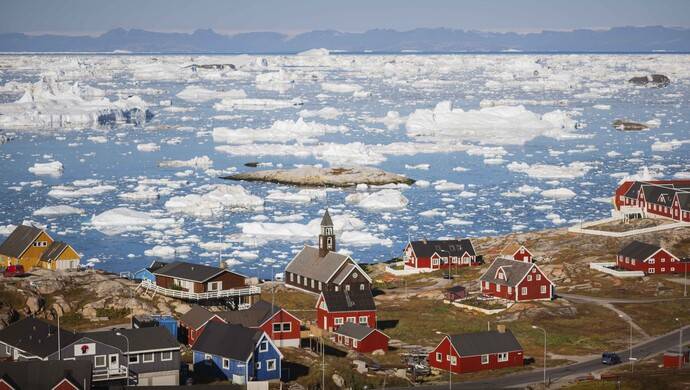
(485, 359)
(542, 289)
(338, 321)
(263, 346)
(453, 361)
(292, 277)
(651, 261)
(136, 356)
(95, 361)
(354, 343)
(502, 357)
(208, 359)
(538, 276)
(287, 327)
(529, 278)
(651, 270)
(439, 357)
(352, 320)
(257, 365)
(279, 325)
(163, 359)
(498, 288)
(226, 363)
(144, 360)
(523, 291)
(363, 320)
(7, 349)
(271, 365)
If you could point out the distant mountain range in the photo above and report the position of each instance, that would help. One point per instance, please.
(618, 39)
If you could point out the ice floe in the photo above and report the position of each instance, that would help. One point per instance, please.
(52, 211)
(387, 199)
(119, 220)
(54, 168)
(217, 200)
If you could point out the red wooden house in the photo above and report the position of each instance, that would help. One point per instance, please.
(518, 252)
(658, 198)
(361, 338)
(650, 259)
(675, 359)
(335, 308)
(516, 281)
(279, 324)
(470, 352)
(439, 254)
(192, 323)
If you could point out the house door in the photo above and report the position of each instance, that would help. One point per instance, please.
(214, 286)
(113, 362)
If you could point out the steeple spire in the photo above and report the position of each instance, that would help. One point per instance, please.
(327, 236)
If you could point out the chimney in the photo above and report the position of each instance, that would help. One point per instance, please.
(501, 328)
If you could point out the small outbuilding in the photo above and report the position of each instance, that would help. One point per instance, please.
(456, 292)
(361, 338)
(673, 358)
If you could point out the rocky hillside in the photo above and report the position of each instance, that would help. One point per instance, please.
(87, 299)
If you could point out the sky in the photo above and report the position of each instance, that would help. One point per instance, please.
(92, 17)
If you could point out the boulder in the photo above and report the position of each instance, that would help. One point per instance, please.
(34, 304)
(338, 380)
(625, 125)
(379, 352)
(654, 80)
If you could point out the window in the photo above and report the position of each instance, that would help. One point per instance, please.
(133, 359)
(271, 365)
(292, 277)
(486, 284)
(208, 359)
(258, 365)
(539, 277)
(7, 349)
(277, 327)
(651, 270)
(453, 361)
(361, 287)
(524, 291)
(347, 287)
(485, 359)
(632, 262)
(166, 356)
(542, 289)
(319, 286)
(226, 364)
(510, 290)
(673, 269)
(651, 261)
(498, 288)
(354, 343)
(330, 242)
(354, 275)
(352, 319)
(338, 320)
(439, 357)
(148, 358)
(312, 283)
(663, 269)
(40, 244)
(287, 327)
(529, 278)
(99, 361)
(363, 320)
(263, 347)
(503, 357)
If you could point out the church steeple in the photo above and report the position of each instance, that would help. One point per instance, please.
(327, 236)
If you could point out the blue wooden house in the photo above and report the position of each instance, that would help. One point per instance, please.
(147, 273)
(236, 353)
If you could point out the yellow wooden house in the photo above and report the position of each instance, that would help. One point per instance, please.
(32, 248)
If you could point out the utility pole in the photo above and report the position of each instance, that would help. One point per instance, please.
(58, 338)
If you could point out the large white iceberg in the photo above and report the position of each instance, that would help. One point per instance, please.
(120, 220)
(387, 199)
(280, 131)
(220, 198)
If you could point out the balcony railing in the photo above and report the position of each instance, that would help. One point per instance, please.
(107, 374)
(181, 294)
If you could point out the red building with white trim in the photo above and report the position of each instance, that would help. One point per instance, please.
(335, 308)
(516, 280)
(193, 322)
(279, 324)
(650, 259)
(658, 199)
(518, 252)
(471, 352)
(361, 338)
(440, 254)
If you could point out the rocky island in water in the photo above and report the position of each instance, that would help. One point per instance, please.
(324, 177)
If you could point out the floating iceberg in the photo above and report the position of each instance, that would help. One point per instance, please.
(219, 199)
(383, 200)
(120, 220)
(54, 168)
(280, 131)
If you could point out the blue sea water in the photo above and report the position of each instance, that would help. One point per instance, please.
(117, 162)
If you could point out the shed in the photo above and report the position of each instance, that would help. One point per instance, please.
(456, 292)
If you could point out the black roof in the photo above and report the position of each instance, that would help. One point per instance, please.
(426, 248)
(156, 265)
(189, 271)
(456, 289)
(482, 343)
(684, 200)
(634, 190)
(230, 341)
(20, 239)
(355, 300)
(140, 339)
(659, 194)
(638, 250)
(355, 331)
(36, 337)
(252, 317)
(40, 374)
(326, 220)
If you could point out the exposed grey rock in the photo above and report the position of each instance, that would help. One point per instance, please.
(324, 177)
(625, 125)
(654, 80)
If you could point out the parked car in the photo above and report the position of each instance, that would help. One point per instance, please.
(13, 271)
(610, 358)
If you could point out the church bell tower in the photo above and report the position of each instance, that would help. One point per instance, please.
(327, 236)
